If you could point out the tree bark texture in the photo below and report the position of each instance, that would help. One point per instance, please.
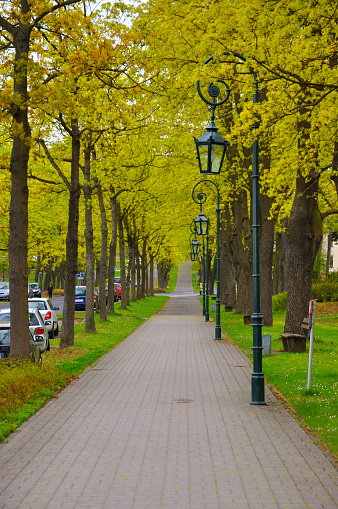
(89, 238)
(67, 334)
(122, 257)
(144, 268)
(132, 260)
(151, 275)
(227, 270)
(163, 273)
(242, 249)
(18, 216)
(103, 254)
(112, 252)
(304, 240)
(266, 244)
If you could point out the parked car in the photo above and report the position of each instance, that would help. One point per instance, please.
(36, 290)
(118, 289)
(38, 329)
(36, 326)
(117, 279)
(116, 296)
(5, 342)
(48, 313)
(4, 291)
(80, 298)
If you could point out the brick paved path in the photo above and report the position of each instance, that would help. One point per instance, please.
(164, 421)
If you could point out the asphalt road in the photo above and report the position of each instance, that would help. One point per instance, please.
(56, 301)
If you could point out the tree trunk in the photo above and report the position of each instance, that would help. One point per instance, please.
(37, 270)
(89, 237)
(151, 275)
(227, 270)
(242, 250)
(130, 256)
(138, 271)
(103, 255)
(18, 216)
(163, 273)
(281, 260)
(112, 252)
(132, 261)
(67, 334)
(328, 255)
(212, 272)
(144, 267)
(304, 240)
(122, 258)
(266, 241)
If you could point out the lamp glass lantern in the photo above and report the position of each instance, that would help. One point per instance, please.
(201, 224)
(195, 246)
(193, 257)
(211, 148)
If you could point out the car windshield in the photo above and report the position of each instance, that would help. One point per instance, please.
(80, 291)
(33, 285)
(4, 286)
(5, 336)
(40, 304)
(5, 317)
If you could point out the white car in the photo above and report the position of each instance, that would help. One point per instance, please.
(48, 313)
(36, 326)
(4, 291)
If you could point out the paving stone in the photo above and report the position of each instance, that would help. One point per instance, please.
(164, 421)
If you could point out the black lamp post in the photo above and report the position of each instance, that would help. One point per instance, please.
(202, 226)
(202, 229)
(257, 380)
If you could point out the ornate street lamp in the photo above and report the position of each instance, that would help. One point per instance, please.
(211, 147)
(202, 229)
(193, 257)
(195, 246)
(202, 197)
(201, 223)
(257, 380)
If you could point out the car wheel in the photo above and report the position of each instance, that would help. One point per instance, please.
(56, 332)
(48, 346)
(51, 333)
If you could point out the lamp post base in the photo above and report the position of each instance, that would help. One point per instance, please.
(218, 332)
(257, 389)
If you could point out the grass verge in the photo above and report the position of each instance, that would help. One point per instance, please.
(26, 387)
(287, 372)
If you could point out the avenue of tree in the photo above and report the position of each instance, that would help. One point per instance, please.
(98, 113)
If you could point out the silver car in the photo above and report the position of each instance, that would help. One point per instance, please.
(36, 326)
(5, 340)
(4, 291)
(48, 313)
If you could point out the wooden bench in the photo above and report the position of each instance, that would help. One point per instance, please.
(296, 343)
(305, 327)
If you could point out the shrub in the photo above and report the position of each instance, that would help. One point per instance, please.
(326, 291)
(279, 302)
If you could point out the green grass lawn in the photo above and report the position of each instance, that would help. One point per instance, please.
(287, 372)
(26, 387)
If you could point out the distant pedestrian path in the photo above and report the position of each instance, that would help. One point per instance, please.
(164, 421)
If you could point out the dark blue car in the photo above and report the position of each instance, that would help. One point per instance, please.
(80, 298)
